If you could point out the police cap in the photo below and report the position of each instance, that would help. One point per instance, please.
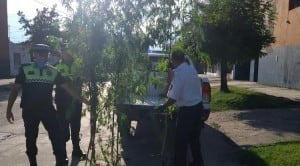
(40, 48)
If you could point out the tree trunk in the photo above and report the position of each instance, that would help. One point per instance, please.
(93, 121)
(93, 90)
(224, 86)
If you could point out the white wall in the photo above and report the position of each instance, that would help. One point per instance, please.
(24, 57)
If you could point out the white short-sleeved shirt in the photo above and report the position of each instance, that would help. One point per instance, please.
(185, 87)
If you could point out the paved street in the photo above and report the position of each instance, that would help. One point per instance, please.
(218, 149)
(12, 139)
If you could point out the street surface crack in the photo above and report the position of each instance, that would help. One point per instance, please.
(5, 135)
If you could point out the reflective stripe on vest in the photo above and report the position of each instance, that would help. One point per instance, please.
(66, 70)
(36, 75)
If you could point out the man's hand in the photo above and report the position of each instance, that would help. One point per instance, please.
(11, 100)
(10, 116)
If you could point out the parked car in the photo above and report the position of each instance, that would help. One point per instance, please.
(157, 86)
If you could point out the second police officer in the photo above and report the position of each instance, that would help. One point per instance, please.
(36, 80)
(69, 109)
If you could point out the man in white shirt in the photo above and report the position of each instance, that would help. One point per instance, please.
(185, 93)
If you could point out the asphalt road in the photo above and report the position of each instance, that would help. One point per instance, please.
(139, 149)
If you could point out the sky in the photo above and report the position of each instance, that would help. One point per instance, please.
(29, 7)
(16, 34)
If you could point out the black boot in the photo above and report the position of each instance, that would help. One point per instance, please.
(62, 161)
(77, 153)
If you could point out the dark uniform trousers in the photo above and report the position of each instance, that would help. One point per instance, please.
(69, 118)
(48, 117)
(68, 108)
(188, 129)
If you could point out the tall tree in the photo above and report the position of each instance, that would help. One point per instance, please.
(109, 37)
(44, 24)
(191, 33)
(163, 22)
(236, 31)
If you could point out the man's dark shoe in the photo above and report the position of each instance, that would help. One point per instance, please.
(79, 154)
(64, 162)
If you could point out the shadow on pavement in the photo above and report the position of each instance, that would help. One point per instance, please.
(218, 149)
(277, 120)
(144, 146)
(249, 158)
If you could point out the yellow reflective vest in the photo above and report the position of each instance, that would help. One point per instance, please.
(34, 74)
(69, 71)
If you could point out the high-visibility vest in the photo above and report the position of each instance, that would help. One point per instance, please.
(69, 71)
(34, 74)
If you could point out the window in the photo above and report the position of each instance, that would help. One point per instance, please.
(293, 4)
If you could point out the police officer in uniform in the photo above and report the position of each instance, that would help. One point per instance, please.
(185, 92)
(69, 109)
(36, 81)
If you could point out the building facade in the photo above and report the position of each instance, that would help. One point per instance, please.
(18, 55)
(281, 67)
(4, 55)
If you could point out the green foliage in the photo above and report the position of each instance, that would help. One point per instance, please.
(279, 154)
(236, 31)
(111, 38)
(240, 98)
(54, 43)
(177, 49)
(44, 24)
(192, 35)
(161, 22)
(108, 36)
(163, 65)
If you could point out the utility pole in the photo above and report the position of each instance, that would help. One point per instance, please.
(4, 41)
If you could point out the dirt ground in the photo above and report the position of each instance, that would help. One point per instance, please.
(258, 127)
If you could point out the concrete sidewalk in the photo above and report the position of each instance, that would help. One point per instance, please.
(12, 141)
(12, 136)
(293, 94)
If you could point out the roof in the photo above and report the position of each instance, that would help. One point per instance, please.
(157, 53)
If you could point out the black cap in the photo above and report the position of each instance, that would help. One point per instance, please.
(178, 54)
(40, 48)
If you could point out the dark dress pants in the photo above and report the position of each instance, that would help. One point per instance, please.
(188, 129)
(70, 118)
(48, 117)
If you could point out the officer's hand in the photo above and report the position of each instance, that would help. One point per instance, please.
(10, 116)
